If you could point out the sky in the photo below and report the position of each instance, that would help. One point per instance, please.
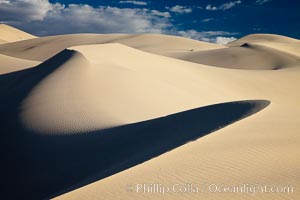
(218, 21)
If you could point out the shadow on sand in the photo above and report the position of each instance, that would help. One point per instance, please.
(37, 167)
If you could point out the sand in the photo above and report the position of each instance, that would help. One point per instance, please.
(87, 115)
(278, 42)
(242, 57)
(10, 34)
(11, 64)
(44, 48)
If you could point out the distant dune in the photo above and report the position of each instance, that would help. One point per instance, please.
(278, 42)
(85, 115)
(247, 56)
(43, 48)
(257, 51)
(11, 34)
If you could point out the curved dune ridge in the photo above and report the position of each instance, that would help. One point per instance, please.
(85, 115)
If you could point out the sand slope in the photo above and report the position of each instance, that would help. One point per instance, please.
(86, 112)
(250, 151)
(2, 41)
(47, 104)
(77, 75)
(11, 34)
(10, 64)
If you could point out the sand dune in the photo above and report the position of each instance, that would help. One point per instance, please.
(11, 34)
(10, 64)
(44, 48)
(263, 38)
(72, 77)
(278, 42)
(264, 52)
(90, 114)
(247, 56)
(166, 44)
(256, 52)
(2, 41)
(94, 155)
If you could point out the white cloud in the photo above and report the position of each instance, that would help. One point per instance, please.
(207, 19)
(44, 18)
(139, 3)
(210, 7)
(260, 2)
(224, 40)
(225, 6)
(4, 2)
(180, 9)
(229, 5)
(27, 9)
(162, 14)
(209, 36)
(41, 17)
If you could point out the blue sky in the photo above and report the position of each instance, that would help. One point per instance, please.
(210, 20)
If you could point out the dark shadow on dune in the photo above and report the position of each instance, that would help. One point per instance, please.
(37, 167)
(14, 141)
(246, 45)
(43, 166)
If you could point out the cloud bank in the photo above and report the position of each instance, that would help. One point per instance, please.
(40, 17)
(218, 37)
(35, 15)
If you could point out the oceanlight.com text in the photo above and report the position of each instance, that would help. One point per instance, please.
(245, 188)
